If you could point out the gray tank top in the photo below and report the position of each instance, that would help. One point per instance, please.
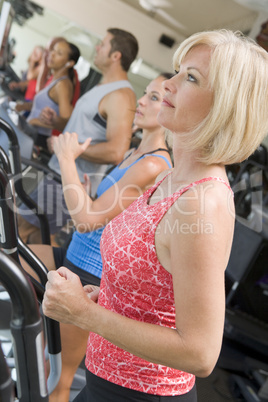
(87, 122)
(41, 100)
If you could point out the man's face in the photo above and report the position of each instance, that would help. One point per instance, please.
(102, 57)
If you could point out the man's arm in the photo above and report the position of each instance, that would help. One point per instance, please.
(118, 109)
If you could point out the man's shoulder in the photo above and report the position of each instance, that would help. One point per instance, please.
(123, 85)
(111, 88)
(125, 97)
(120, 92)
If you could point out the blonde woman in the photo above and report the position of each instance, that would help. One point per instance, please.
(157, 321)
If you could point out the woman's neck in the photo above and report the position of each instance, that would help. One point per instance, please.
(187, 167)
(59, 73)
(151, 140)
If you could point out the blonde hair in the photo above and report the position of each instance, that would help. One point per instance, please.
(238, 77)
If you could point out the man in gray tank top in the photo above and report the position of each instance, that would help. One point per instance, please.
(105, 114)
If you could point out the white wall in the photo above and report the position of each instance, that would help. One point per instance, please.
(262, 17)
(64, 18)
(98, 15)
(26, 40)
(39, 29)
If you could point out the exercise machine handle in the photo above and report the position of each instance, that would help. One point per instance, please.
(9, 243)
(6, 384)
(15, 163)
(26, 328)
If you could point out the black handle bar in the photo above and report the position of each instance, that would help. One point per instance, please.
(26, 329)
(15, 162)
(8, 243)
(6, 384)
(5, 161)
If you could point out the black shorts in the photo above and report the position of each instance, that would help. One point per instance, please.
(60, 260)
(41, 141)
(99, 390)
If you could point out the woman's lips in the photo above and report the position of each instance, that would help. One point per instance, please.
(138, 113)
(167, 103)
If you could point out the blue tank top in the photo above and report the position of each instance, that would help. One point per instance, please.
(84, 249)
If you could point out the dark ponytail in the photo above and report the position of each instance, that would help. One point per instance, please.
(74, 56)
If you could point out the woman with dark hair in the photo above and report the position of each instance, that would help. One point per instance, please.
(58, 95)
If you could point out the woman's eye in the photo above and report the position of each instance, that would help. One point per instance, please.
(154, 98)
(191, 78)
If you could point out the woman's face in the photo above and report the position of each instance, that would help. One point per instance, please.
(188, 97)
(59, 56)
(149, 105)
(36, 54)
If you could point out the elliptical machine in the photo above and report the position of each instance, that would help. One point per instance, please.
(26, 323)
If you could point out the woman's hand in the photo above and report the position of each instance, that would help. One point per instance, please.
(92, 292)
(13, 85)
(66, 300)
(48, 116)
(66, 146)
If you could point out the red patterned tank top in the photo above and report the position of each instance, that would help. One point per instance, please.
(136, 285)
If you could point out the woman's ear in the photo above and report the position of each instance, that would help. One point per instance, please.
(69, 63)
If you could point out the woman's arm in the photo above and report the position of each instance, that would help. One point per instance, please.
(85, 212)
(34, 66)
(23, 106)
(62, 94)
(194, 246)
(21, 85)
(197, 261)
(38, 123)
(43, 72)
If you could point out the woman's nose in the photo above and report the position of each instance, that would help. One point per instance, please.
(168, 85)
(141, 100)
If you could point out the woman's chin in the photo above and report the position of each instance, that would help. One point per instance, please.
(163, 120)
